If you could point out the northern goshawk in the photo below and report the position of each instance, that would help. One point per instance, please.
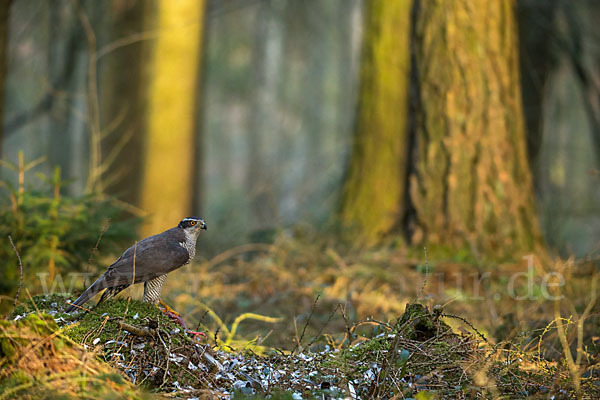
(148, 261)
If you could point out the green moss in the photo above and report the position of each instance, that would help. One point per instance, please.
(54, 304)
(418, 323)
(101, 323)
(460, 253)
(366, 349)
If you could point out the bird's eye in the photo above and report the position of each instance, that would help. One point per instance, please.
(192, 223)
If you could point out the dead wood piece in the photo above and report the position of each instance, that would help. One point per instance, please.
(142, 332)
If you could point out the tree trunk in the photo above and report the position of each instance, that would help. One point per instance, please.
(4, 20)
(122, 115)
(263, 185)
(537, 59)
(168, 157)
(375, 188)
(471, 184)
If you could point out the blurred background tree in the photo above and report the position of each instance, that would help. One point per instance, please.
(168, 172)
(410, 121)
(471, 182)
(4, 15)
(374, 192)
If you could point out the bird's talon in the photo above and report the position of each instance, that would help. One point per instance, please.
(176, 319)
(168, 310)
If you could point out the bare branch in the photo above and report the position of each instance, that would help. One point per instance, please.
(20, 270)
(95, 249)
(142, 332)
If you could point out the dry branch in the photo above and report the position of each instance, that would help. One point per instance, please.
(20, 271)
(137, 331)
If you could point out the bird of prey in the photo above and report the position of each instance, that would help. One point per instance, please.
(148, 261)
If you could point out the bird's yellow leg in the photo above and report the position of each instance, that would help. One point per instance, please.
(168, 309)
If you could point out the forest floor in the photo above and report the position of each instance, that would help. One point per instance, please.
(305, 319)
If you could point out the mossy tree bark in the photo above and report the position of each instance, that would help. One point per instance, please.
(471, 183)
(168, 161)
(375, 187)
(457, 174)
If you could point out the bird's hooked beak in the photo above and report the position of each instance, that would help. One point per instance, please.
(203, 225)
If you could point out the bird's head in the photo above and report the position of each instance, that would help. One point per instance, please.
(192, 224)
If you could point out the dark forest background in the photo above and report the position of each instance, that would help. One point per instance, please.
(272, 114)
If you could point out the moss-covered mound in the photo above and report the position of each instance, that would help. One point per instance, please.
(146, 345)
(417, 356)
(38, 361)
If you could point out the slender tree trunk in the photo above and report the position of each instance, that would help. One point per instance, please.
(262, 142)
(348, 59)
(122, 115)
(64, 65)
(537, 59)
(4, 20)
(168, 159)
(471, 184)
(374, 188)
(586, 70)
(316, 70)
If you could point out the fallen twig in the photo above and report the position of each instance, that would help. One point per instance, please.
(137, 331)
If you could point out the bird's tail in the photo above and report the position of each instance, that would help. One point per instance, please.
(90, 292)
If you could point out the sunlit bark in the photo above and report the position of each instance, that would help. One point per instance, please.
(168, 158)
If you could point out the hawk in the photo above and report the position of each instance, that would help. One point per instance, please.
(148, 261)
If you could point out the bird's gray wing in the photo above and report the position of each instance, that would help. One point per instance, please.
(154, 256)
